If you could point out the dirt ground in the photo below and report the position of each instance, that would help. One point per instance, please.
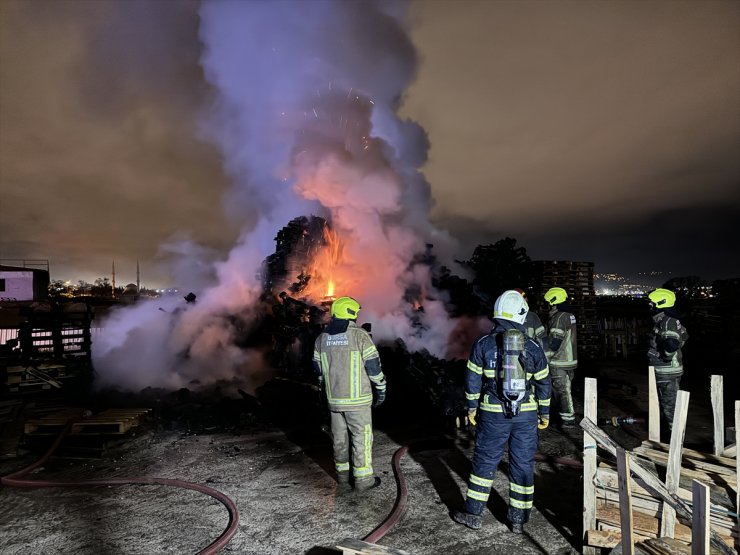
(277, 468)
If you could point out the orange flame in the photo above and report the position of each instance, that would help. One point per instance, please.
(328, 269)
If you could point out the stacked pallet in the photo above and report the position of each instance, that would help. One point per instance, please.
(577, 278)
(26, 379)
(629, 502)
(647, 511)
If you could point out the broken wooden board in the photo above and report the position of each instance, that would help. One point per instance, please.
(359, 547)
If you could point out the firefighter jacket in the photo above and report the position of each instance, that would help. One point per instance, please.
(533, 328)
(666, 342)
(561, 347)
(348, 361)
(483, 386)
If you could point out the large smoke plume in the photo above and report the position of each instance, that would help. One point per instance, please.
(304, 112)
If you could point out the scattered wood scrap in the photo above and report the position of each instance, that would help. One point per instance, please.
(350, 546)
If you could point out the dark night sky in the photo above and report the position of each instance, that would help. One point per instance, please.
(603, 131)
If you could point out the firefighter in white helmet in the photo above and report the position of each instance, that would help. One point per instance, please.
(561, 350)
(668, 337)
(348, 366)
(508, 392)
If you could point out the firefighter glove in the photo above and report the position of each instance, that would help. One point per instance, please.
(543, 423)
(471, 417)
(379, 397)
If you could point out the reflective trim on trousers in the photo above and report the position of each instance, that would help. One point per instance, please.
(353, 427)
(495, 431)
(561, 392)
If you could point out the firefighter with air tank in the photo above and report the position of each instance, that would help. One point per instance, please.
(508, 393)
(666, 341)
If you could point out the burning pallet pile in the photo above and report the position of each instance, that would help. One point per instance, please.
(627, 505)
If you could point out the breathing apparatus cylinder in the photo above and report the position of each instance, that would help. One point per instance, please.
(514, 376)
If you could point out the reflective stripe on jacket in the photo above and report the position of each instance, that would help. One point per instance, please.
(563, 329)
(481, 383)
(668, 338)
(533, 328)
(350, 365)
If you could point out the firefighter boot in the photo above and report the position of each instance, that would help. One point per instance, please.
(343, 485)
(470, 520)
(517, 528)
(365, 485)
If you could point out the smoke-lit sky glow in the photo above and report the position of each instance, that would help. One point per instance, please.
(587, 130)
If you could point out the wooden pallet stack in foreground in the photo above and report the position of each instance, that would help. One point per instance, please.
(632, 509)
(89, 435)
(109, 422)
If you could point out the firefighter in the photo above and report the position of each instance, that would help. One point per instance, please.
(349, 371)
(508, 394)
(561, 351)
(665, 354)
(533, 325)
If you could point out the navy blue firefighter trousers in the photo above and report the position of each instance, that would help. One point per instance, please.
(494, 432)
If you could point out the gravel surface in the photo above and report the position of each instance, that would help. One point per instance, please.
(280, 477)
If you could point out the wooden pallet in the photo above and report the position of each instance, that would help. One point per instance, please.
(111, 421)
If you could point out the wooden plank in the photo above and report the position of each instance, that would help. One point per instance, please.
(641, 524)
(731, 451)
(625, 502)
(665, 546)
(718, 410)
(608, 481)
(606, 539)
(661, 457)
(653, 407)
(700, 522)
(652, 482)
(649, 525)
(646, 505)
(719, 460)
(673, 472)
(589, 463)
(351, 546)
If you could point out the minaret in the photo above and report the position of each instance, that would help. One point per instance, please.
(113, 279)
(138, 281)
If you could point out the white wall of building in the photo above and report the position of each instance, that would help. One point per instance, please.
(18, 285)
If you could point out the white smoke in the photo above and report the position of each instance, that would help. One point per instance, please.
(305, 115)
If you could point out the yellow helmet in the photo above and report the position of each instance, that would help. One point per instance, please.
(345, 308)
(556, 295)
(662, 298)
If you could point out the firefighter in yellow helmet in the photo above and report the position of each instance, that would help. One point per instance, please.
(561, 350)
(348, 365)
(665, 355)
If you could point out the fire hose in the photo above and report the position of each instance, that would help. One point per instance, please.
(403, 492)
(16, 480)
(402, 496)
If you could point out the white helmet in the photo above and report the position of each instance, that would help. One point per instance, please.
(511, 306)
